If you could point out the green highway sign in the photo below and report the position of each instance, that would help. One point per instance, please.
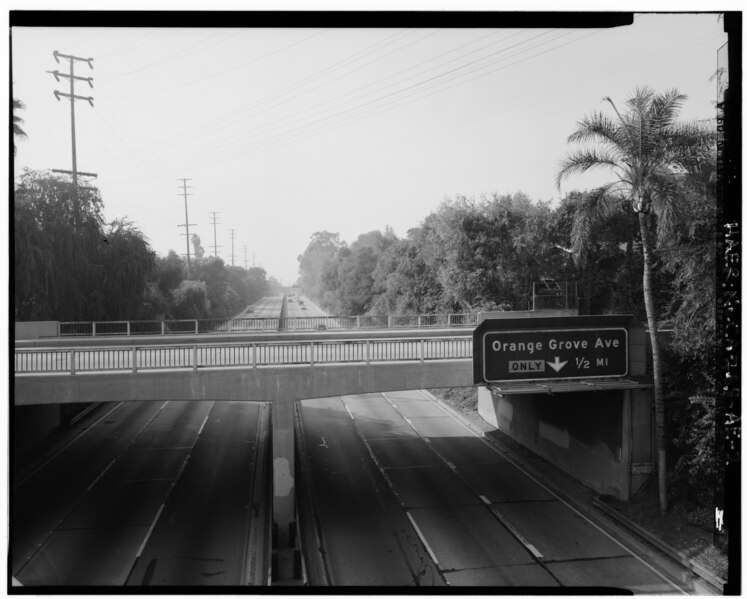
(526, 355)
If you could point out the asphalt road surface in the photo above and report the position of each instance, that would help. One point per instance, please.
(406, 495)
(152, 493)
(267, 307)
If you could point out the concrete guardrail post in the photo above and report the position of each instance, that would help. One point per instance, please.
(197, 330)
(93, 328)
(72, 361)
(422, 351)
(311, 353)
(358, 321)
(163, 327)
(368, 351)
(194, 358)
(128, 328)
(134, 359)
(254, 355)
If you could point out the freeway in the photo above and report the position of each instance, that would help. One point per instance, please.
(167, 493)
(267, 307)
(393, 490)
(405, 494)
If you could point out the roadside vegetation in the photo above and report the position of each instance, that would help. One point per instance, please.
(644, 244)
(72, 265)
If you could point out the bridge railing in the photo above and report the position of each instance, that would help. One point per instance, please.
(242, 325)
(236, 355)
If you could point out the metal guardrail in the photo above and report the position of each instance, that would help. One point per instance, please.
(232, 355)
(243, 325)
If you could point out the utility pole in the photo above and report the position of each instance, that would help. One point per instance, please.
(233, 236)
(246, 267)
(254, 262)
(215, 238)
(186, 221)
(72, 97)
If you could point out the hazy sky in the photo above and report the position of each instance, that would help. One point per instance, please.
(284, 132)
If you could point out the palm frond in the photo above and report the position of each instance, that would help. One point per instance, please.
(593, 209)
(597, 127)
(665, 108)
(582, 161)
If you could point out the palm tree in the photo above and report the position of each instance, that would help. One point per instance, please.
(649, 154)
(17, 120)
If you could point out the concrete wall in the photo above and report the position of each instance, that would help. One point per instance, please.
(593, 436)
(36, 330)
(281, 383)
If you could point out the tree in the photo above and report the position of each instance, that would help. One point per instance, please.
(645, 148)
(18, 132)
(69, 264)
(318, 255)
(197, 245)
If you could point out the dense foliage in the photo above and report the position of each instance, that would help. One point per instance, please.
(474, 254)
(71, 265)
(484, 254)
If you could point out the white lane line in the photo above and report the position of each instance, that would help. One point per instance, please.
(64, 447)
(533, 549)
(199, 432)
(485, 500)
(349, 412)
(150, 531)
(512, 460)
(422, 538)
(519, 537)
(100, 476)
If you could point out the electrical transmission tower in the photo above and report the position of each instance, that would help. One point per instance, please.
(186, 224)
(72, 97)
(233, 236)
(215, 238)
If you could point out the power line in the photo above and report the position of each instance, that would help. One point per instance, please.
(323, 123)
(278, 124)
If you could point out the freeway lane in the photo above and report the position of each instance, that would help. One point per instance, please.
(201, 536)
(170, 483)
(481, 521)
(366, 538)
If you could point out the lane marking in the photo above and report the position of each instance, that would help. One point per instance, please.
(533, 549)
(199, 432)
(485, 500)
(457, 417)
(519, 537)
(349, 412)
(150, 531)
(100, 476)
(422, 538)
(64, 447)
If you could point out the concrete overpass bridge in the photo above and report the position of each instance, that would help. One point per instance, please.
(284, 367)
(276, 367)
